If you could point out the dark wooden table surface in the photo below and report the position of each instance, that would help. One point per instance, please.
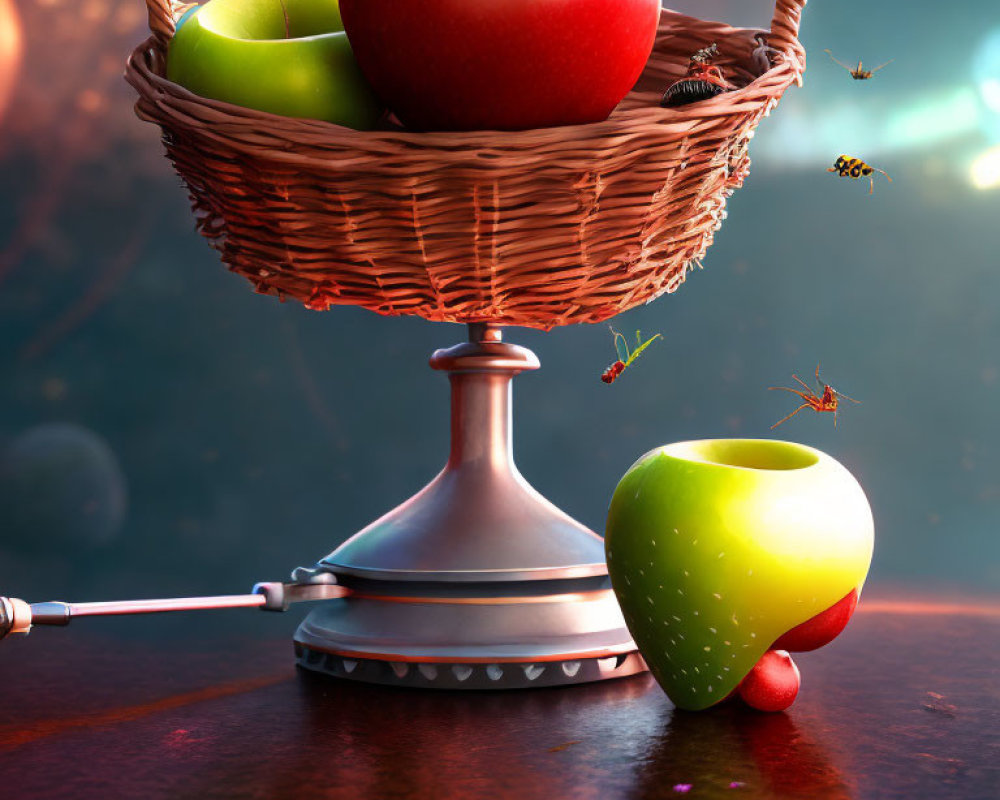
(906, 704)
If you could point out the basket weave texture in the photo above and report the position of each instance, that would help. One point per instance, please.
(536, 228)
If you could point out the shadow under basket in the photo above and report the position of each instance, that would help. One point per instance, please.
(477, 581)
(535, 228)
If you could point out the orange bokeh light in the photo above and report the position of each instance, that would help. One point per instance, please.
(10, 52)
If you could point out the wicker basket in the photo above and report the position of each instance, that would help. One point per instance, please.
(536, 228)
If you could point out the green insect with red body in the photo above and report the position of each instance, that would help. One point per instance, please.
(610, 375)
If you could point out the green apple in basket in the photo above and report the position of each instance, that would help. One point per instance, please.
(288, 57)
(726, 553)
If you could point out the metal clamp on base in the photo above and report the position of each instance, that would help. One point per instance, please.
(477, 581)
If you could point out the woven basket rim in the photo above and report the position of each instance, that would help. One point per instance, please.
(621, 123)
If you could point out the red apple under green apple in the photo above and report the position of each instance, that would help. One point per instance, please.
(501, 64)
(772, 684)
(820, 629)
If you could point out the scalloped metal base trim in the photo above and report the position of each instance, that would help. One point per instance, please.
(424, 675)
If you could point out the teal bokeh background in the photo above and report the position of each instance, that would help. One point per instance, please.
(253, 436)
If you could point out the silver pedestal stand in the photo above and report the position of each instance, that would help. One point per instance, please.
(477, 581)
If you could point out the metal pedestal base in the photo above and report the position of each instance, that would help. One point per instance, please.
(430, 675)
(476, 582)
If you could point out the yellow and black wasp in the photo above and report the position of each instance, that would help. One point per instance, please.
(850, 167)
(859, 73)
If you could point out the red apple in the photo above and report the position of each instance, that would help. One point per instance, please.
(821, 629)
(500, 64)
(772, 684)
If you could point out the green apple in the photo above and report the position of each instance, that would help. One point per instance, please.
(289, 57)
(717, 548)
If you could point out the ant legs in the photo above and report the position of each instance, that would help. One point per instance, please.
(785, 419)
(802, 383)
(805, 396)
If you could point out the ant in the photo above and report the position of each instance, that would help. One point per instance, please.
(858, 72)
(827, 402)
(611, 374)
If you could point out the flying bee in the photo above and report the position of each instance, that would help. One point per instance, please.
(859, 73)
(850, 167)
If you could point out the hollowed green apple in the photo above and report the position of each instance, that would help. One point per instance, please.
(718, 548)
(288, 57)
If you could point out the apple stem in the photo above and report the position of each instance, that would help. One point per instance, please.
(284, 10)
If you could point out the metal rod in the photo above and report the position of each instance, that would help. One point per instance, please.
(121, 607)
(16, 616)
(169, 604)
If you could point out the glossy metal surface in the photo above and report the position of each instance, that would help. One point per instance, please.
(475, 571)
